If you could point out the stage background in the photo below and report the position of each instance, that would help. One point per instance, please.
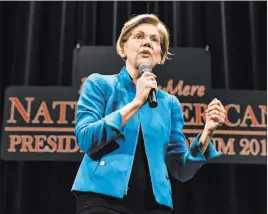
(37, 40)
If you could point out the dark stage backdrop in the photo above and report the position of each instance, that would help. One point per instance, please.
(37, 40)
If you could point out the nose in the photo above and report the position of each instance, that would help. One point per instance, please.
(147, 38)
(147, 42)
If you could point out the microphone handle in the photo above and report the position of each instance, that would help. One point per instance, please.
(152, 98)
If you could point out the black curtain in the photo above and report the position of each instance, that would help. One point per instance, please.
(36, 46)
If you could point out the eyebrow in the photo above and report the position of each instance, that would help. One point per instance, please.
(145, 33)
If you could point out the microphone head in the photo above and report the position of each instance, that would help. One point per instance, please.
(145, 67)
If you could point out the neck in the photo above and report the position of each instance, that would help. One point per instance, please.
(133, 71)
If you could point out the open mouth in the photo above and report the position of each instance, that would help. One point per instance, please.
(146, 53)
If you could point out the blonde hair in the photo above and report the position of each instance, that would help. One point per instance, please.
(140, 19)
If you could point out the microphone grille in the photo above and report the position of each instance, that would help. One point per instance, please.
(145, 67)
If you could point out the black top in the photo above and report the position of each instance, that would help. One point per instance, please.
(140, 194)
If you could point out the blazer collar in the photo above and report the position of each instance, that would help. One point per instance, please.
(129, 85)
(126, 80)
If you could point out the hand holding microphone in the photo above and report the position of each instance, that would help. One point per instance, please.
(146, 86)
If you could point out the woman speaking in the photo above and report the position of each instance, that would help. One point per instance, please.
(131, 131)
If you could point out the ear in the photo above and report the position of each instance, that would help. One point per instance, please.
(161, 62)
(123, 50)
(123, 55)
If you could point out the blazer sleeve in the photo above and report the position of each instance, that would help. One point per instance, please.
(93, 130)
(184, 162)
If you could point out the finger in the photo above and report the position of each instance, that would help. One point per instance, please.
(215, 107)
(222, 121)
(150, 84)
(149, 78)
(144, 81)
(212, 102)
(216, 101)
(218, 105)
(216, 112)
(154, 85)
(150, 81)
(221, 104)
(147, 74)
(220, 115)
(215, 117)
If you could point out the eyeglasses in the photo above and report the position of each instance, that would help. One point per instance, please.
(156, 40)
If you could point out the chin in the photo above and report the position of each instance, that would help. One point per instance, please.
(145, 60)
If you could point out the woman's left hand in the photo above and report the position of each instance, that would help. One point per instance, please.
(215, 115)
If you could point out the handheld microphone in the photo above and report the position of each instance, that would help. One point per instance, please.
(152, 99)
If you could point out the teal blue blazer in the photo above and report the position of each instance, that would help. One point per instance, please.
(109, 147)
